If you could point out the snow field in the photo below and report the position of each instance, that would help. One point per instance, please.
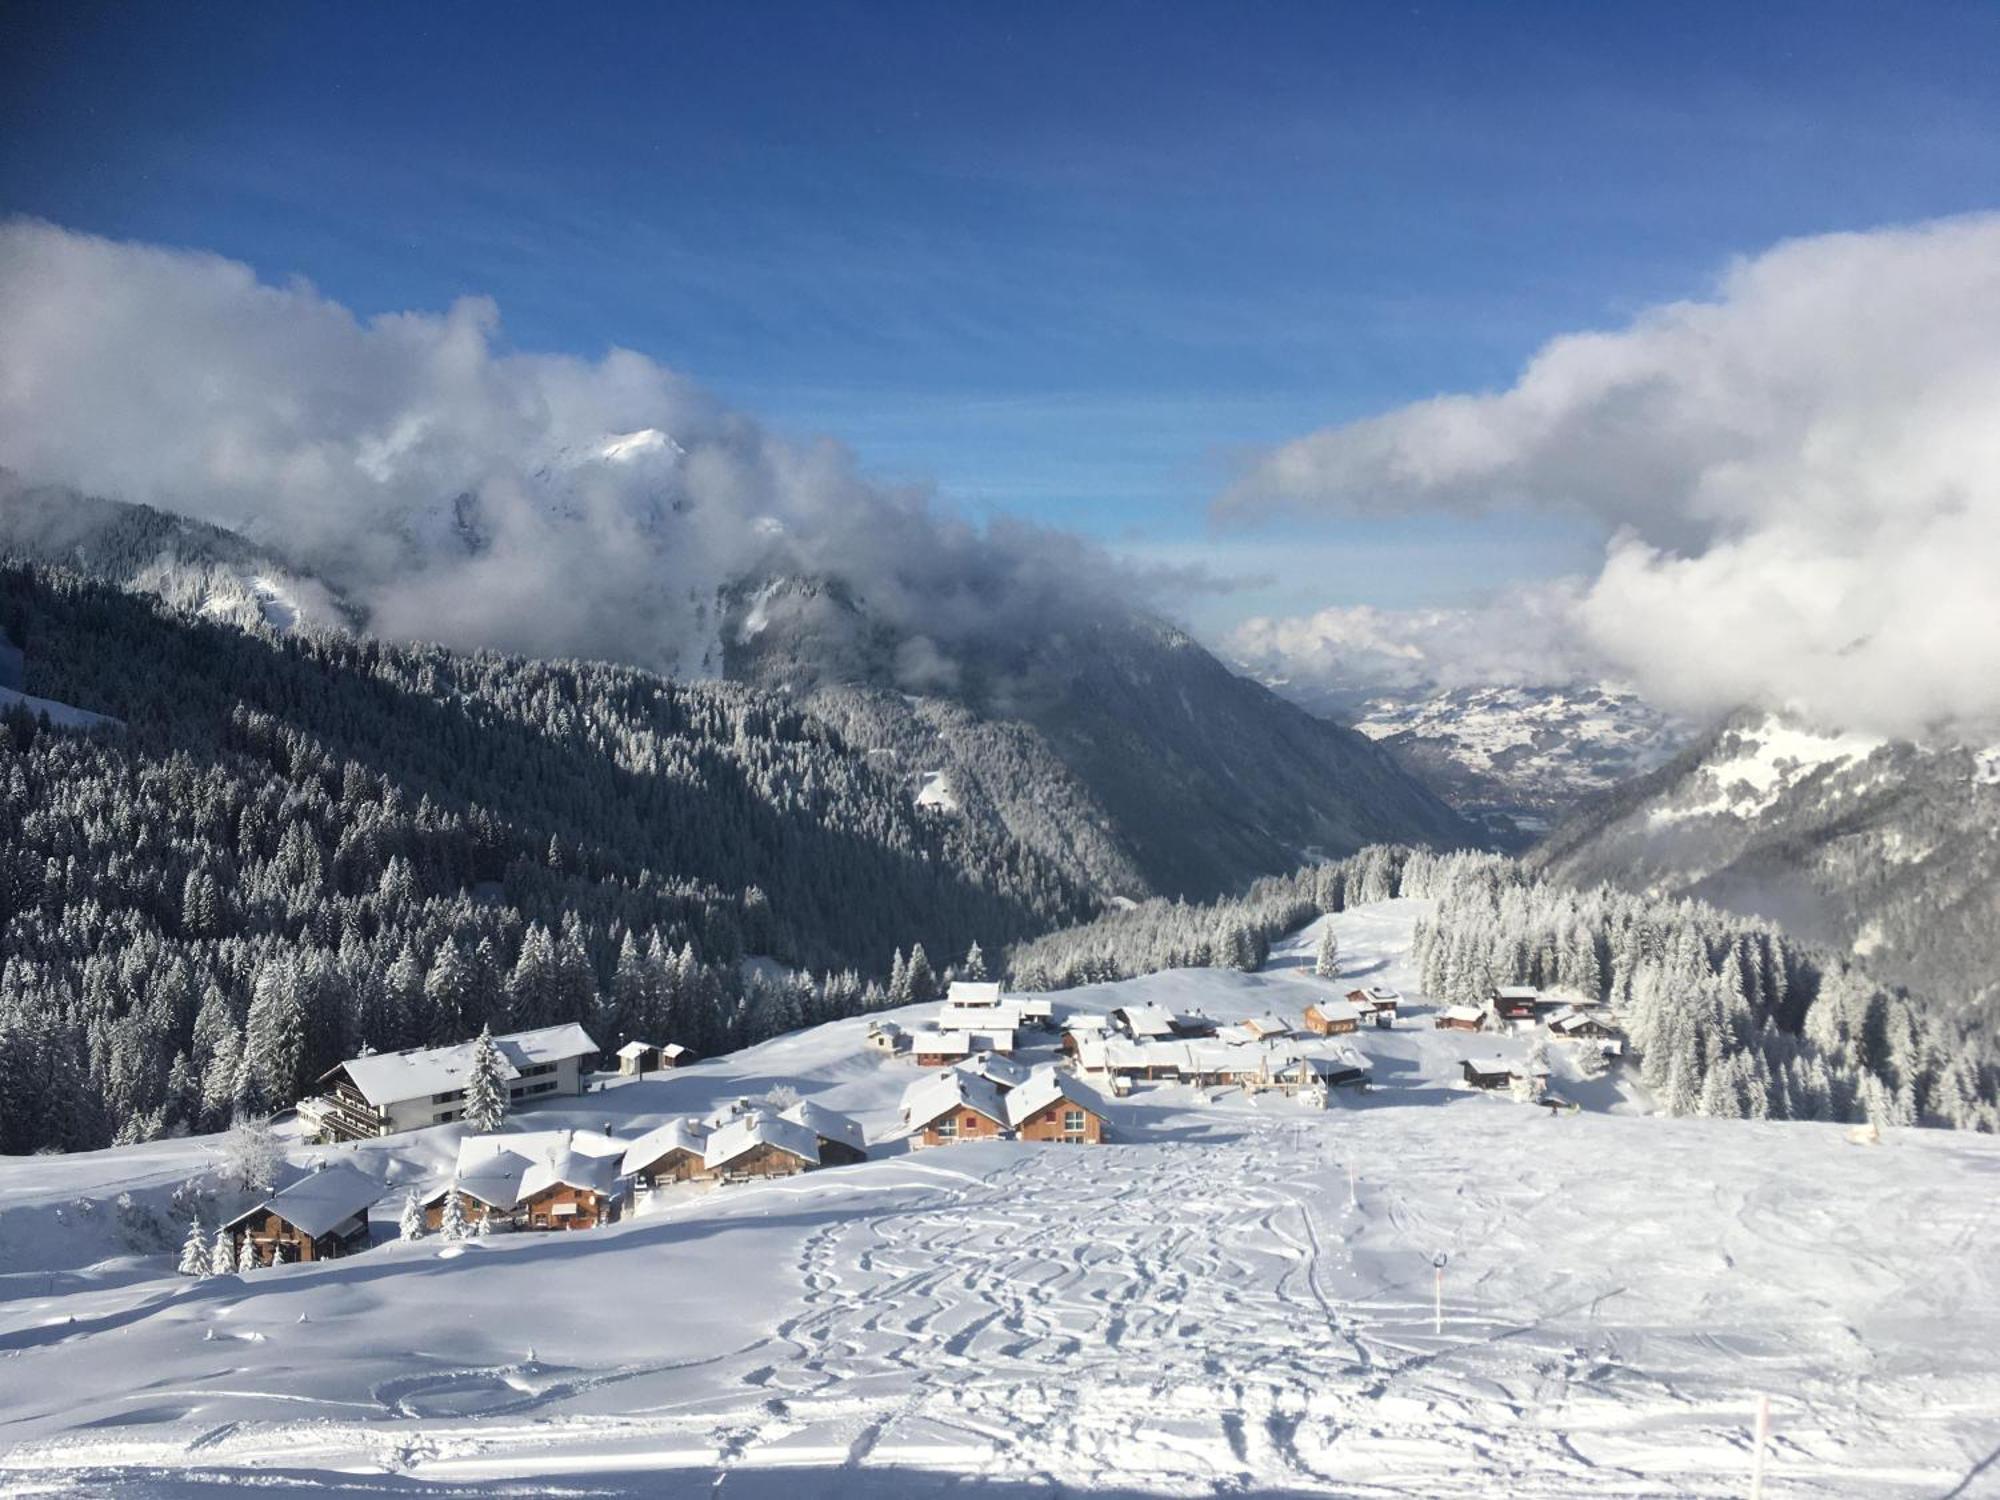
(1199, 1307)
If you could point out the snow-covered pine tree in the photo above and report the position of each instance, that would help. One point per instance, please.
(486, 1085)
(221, 1254)
(246, 1256)
(411, 1225)
(194, 1250)
(1327, 964)
(974, 967)
(451, 1222)
(922, 979)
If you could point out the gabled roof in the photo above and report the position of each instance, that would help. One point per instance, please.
(676, 1135)
(1489, 1067)
(321, 1201)
(942, 1044)
(939, 1094)
(1146, 1021)
(1336, 1010)
(973, 992)
(575, 1169)
(1516, 992)
(636, 1049)
(759, 1128)
(1002, 1071)
(1046, 1086)
(1085, 1021)
(673, 1049)
(1464, 1013)
(386, 1078)
(827, 1124)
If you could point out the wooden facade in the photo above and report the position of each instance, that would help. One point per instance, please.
(1341, 1023)
(1063, 1120)
(961, 1124)
(675, 1164)
(471, 1209)
(764, 1159)
(274, 1237)
(561, 1206)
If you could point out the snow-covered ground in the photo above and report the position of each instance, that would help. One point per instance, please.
(64, 715)
(1234, 1296)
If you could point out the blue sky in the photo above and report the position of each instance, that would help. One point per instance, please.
(1069, 261)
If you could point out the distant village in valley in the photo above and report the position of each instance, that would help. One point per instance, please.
(984, 1065)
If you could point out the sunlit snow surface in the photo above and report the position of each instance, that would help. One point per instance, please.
(1200, 1307)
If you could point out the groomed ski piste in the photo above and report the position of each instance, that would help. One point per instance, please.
(1236, 1296)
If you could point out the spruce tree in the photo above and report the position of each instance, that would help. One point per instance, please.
(194, 1250)
(451, 1221)
(411, 1226)
(222, 1254)
(486, 1085)
(974, 967)
(1327, 964)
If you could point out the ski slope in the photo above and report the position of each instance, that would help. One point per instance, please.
(1235, 1296)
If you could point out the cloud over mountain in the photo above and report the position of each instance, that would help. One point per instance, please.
(464, 490)
(1800, 477)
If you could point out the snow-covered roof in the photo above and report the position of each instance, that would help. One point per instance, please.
(673, 1049)
(1489, 1066)
(1045, 1086)
(676, 1135)
(321, 1201)
(1562, 1016)
(758, 1128)
(884, 1028)
(1260, 1027)
(978, 1017)
(1516, 992)
(941, 1044)
(576, 1169)
(827, 1124)
(635, 1049)
(386, 1078)
(1145, 1021)
(1336, 1010)
(1086, 1021)
(1464, 1013)
(939, 1094)
(1004, 1072)
(973, 992)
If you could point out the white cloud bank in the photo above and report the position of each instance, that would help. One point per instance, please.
(462, 490)
(1801, 475)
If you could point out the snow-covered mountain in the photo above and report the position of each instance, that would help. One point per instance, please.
(1236, 1294)
(1520, 759)
(1099, 737)
(190, 564)
(1888, 849)
(1111, 741)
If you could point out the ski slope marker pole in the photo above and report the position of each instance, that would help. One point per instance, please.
(1437, 1294)
(1762, 1437)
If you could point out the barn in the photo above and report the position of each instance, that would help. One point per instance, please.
(322, 1216)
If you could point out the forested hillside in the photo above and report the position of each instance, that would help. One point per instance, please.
(303, 844)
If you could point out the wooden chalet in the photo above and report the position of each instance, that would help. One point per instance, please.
(940, 1049)
(568, 1190)
(671, 1153)
(1052, 1106)
(636, 1059)
(1573, 1026)
(1332, 1017)
(1488, 1072)
(841, 1142)
(953, 1106)
(760, 1144)
(674, 1055)
(322, 1216)
(1460, 1018)
(544, 1179)
(1514, 1002)
(381, 1093)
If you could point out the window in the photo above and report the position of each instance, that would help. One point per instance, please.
(1073, 1122)
(972, 1124)
(947, 1127)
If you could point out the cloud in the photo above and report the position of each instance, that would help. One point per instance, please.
(1800, 477)
(466, 491)
(1336, 658)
